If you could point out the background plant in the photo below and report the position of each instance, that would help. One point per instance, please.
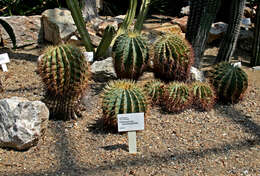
(10, 32)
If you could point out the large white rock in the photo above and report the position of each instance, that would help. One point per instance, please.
(197, 75)
(22, 122)
(58, 25)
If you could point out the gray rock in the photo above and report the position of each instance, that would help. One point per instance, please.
(27, 29)
(22, 122)
(245, 40)
(185, 10)
(58, 25)
(103, 71)
(197, 75)
(216, 31)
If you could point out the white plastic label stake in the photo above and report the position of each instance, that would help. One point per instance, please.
(131, 123)
(4, 58)
(89, 56)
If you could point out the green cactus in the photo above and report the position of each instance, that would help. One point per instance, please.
(120, 97)
(65, 73)
(130, 55)
(203, 95)
(230, 82)
(154, 89)
(176, 97)
(172, 58)
(255, 60)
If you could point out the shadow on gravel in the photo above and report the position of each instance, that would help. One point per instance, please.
(19, 56)
(68, 165)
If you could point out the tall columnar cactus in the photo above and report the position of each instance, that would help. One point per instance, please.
(65, 73)
(230, 82)
(172, 58)
(154, 89)
(176, 97)
(255, 60)
(229, 41)
(130, 55)
(202, 15)
(203, 95)
(120, 97)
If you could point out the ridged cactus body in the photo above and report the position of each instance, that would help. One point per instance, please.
(203, 95)
(172, 58)
(154, 90)
(65, 73)
(130, 55)
(176, 97)
(230, 82)
(120, 97)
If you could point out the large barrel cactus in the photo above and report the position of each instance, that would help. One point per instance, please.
(176, 97)
(154, 90)
(120, 97)
(65, 73)
(203, 95)
(230, 82)
(130, 55)
(172, 58)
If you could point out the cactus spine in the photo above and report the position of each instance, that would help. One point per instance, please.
(120, 97)
(176, 97)
(172, 57)
(203, 95)
(130, 55)
(229, 82)
(64, 72)
(154, 89)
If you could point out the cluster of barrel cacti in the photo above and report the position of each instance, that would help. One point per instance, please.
(65, 73)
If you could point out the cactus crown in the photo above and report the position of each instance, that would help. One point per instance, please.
(173, 57)
(230, 82)
(120, 97)
(154, 89)
(176, 96)
(64, 70)
(203, 95)
(130, 54)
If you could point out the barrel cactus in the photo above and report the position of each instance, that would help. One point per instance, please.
(65, 73)
(130, 55)
(176, 97)
(120, 97)
(172, 58)
(154, 89)
(203, 95)
(230, 82)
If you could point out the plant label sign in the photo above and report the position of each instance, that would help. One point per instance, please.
(4, 59)
(131, 123)
(89, 56)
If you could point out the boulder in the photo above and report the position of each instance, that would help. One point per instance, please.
(58, 25)
(216, 31)
(182, 22)
(197, 75)
(185, 11)
(103, 71)
(22, 122)
(27, 29)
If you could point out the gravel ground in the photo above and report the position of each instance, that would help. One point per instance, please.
(223, 141)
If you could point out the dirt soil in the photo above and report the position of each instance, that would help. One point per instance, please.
(223, 141)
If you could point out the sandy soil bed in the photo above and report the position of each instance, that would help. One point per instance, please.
(223, 141)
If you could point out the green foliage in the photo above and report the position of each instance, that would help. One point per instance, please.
(229, 82)
(172, 57)
(130, 54)
(120, 97)
(176, 97)
(65, 73)
(10, 31)
(203, 95)
(154, 89)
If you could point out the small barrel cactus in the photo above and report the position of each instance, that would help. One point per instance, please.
(120, 97)
(154, 89)
(230, 82)
(130, 55)
(203, 95)
(65, 73)
(172, 58)
(176, 97)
